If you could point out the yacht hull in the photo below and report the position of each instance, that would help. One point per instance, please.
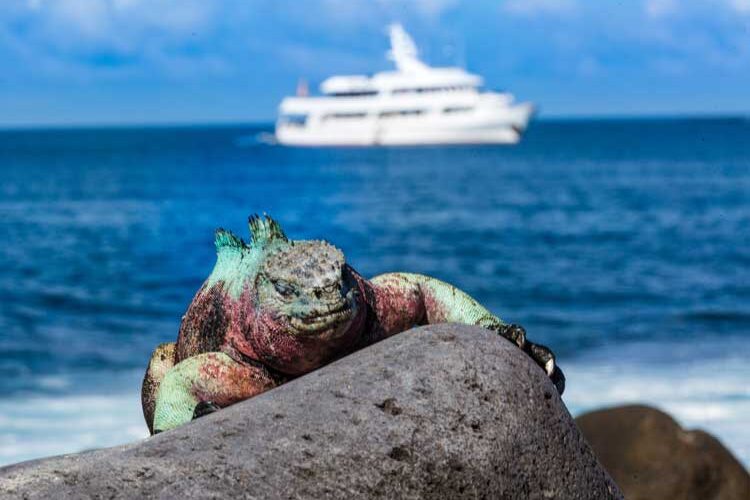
(497, 126)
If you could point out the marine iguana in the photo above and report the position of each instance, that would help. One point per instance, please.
(273, 309)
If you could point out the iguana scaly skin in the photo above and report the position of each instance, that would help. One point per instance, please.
(274, 309)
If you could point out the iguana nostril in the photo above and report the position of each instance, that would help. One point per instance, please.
(317, 294)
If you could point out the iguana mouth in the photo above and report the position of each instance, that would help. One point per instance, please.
(321, 322)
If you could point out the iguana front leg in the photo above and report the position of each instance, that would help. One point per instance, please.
(162, 360)
(404, 299)
(205, 382)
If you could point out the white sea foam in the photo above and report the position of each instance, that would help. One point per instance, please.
(38, 426)
(711, 394)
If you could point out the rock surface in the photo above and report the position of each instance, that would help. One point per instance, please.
(651, 456)
(437, 412)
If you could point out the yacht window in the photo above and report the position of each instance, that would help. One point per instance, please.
(294, 120)
(401, 112)
(424, 90)
(344, 116)
(355, 93)
(457, 109)
(417, 90)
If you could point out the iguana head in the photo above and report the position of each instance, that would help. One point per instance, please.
(291, 304)
(309, 287)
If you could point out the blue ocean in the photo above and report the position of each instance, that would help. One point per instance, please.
(622, 244)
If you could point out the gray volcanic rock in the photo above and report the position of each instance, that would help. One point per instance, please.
(651, 456)
(437, 412)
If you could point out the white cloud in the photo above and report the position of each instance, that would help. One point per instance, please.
(89, 18)
(430, 9)
(664, 8)
(660, 8)
(115, 24)
(741, 6)
(539, 7)
(175, 37)
(433, 8)
(111, 38)
(368, 12)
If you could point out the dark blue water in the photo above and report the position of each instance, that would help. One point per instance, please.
(624, 245)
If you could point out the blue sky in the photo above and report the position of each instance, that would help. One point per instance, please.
(181, 61)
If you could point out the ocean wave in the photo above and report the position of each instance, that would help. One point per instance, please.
(716, 316)
(711, 394)
(34, 426)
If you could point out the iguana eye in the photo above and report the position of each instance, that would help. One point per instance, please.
(283, 289)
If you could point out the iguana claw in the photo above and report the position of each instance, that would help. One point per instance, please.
(541, 354)
(204, 408)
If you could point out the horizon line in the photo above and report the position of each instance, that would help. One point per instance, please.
(11, 127)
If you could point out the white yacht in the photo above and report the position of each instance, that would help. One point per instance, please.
(415, 104)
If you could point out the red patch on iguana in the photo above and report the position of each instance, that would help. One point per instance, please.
(209, 370)
(434, 310)
(225, 383)
(243, 319)
(277, 346)
(398, 305)
(284, 351)
(205, 323)
(216, 322)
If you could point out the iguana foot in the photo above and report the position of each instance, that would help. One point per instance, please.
(204, 408)
(162, 360)
(205, 383)
(539, 353)
(558, 378)
(514, 333)
(544, 358)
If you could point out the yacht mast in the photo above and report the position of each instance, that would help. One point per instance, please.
(403, 51)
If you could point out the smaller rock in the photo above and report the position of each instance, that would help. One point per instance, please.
(650, 456)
